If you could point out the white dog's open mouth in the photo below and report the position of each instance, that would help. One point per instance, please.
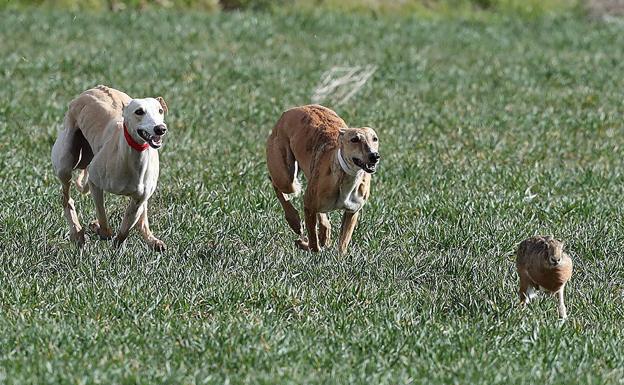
(155, 141)
(368, 167)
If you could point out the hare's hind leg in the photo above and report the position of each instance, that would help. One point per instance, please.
(561, 308)
(526, 291)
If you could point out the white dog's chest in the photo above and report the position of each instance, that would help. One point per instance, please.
(129, 177)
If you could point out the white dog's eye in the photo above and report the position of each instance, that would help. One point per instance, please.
(355, 139)
(375, 139)
(140, 112)
(161, 111)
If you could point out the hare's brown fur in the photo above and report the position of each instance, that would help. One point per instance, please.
(542, 264)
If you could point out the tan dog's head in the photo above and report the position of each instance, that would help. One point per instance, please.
(145, 120)
(360, 148)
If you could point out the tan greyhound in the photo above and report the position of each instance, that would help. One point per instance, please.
(337, 162)
(113, 139)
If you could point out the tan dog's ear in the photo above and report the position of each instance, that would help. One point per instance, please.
(162, 104)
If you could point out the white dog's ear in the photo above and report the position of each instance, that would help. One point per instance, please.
(162, 104)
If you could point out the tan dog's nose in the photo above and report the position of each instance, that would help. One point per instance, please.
(374, 156)
(160, 129)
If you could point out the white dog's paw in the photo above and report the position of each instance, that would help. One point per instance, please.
(158, 245)
(104, 234)
(78, 238)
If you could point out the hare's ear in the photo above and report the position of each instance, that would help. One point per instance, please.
(341, 132)
(162, 104)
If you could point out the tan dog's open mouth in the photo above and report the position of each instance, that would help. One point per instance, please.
(155, 141)
(368, 167)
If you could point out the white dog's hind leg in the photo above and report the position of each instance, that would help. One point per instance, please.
(76, 233)
(130, 219)
(145, 231)
(82, 181)
(100, 226)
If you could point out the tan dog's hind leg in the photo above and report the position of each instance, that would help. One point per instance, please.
(324, 229)
(349, 220)
(100, 225)
(130, 219)
(292, 216)
(143, 226)
(283, 173)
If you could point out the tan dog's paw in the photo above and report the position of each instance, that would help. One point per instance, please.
(117, 241)
(324, 238)
(302, 244)
(158, 245)
(78, 238)
(105, 234)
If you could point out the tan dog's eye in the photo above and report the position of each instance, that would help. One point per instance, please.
(355, 139)
(161, 111)
(140, 112)
(375, 139)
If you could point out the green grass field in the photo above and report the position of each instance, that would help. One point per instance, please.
(490, 132)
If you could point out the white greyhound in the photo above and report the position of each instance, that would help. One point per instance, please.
(114, 140)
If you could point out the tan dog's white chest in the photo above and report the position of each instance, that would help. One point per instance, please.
(348, 196)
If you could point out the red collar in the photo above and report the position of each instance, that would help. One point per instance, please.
(133, 143)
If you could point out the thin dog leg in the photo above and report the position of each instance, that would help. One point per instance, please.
(310, 222)
(82, 181)
(324, 229)
(130, 219)
(76, 233)
(100, 226)
(292, 216)
(561, 308)
(349, 220)
(143, 226)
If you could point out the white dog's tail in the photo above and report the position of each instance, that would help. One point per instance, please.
(82, 181)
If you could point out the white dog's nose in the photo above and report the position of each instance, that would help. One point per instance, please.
(160, 129)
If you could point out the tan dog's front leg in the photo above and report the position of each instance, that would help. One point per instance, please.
(143, 225)
(100, 226)
(324, 229)
(130, 219)
(310, 221)
(349, 220)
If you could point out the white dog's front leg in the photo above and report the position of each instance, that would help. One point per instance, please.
(100, 225)
(145, 231)
(130, 219)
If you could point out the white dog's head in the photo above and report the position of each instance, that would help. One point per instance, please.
(145, 120)
(360, 148)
